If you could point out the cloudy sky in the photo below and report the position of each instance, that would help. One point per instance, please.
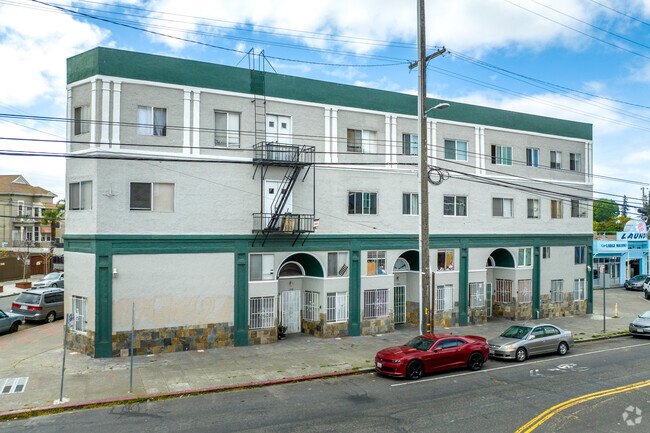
(585, 60)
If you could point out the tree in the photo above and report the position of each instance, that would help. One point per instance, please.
(605, 210)
(624, 207)
(613, 225)
(51, 217)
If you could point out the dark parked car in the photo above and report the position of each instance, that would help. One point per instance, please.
(635, 283)
(640, 327)
(10, 321)
(520, 341)
(430, 353)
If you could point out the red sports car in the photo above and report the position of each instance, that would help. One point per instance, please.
(432, 352)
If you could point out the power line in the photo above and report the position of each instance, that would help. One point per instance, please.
(621, 13)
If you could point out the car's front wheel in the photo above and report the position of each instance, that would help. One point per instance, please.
(55, 285)
(520, 354)
(50, 317)
(647, 295)
(414, 370)
(14, 327)
(475, 361)
(562, 349)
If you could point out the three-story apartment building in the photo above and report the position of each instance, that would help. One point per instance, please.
(224, 202)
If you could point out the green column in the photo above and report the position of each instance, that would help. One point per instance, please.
(103, 300)
(463, 287)
(354, 298)
(536, 282)
(589, 279)
(241, 296)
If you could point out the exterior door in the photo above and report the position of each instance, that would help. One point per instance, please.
(488, 299)
(278, 129)
(290, 311)
(399, 303)
(271, 190)
(539, 343)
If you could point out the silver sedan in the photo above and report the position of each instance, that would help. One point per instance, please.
(521, 341)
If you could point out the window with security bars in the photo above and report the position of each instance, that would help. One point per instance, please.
(337, 307)
(503, 291)
(311, 307)
(557, 291)
(476, 295)
(375, 303)
(376, 263)
(262, 312)
(579, 289)
(525, 291)
(444, 297)
(80, 313)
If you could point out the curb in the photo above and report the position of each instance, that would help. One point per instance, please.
(36, 411)
(604, 337)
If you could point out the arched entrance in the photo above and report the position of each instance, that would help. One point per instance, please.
(405, 287)
(500, 276)
(297, 289)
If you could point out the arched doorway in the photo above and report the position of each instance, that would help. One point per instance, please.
(500, 275)
(297, 290)
(405, 287)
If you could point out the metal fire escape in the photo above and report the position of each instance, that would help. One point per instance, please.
(292, 158)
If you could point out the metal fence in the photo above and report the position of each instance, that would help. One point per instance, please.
(286, 223)
(311, 307)
(503, 291)
(375, 303)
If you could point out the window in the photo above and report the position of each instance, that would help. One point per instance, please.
(81, 120)
(476, 295)
(533, 208)
(525, 257)
(262, 312)
(311, 307)
(502, 207)
(455, 205)
(578, 209)
(574, 162)
(337, 264)
(546, 252)
(21, 207)
(556, 209)
(503, 292)
(337, 307)
(376, 263)
(226, 129)
(557, 292)
(409, 144)
(409, 204)
(80, 312)
(556, 159)
(158, 197)
(532, 157)
(445, 297)
(455, 149)
(524, 291)
(501, 155)
(445, 260)
(579, 255)
(579, 289)
(261, 267)
(361, 140)
(80, 195)
(375, 303)
(152, 121)
(362, 203)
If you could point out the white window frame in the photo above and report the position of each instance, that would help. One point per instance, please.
(267, 267)
(341, 263)
(378, 257)
(337, 307)
(367, 143)
(311, 306)
(546, 252)
(375, 303)
(503, 291)
(579, 255)
(535, 214)
(410, 204)
(232, 133)
(80, 314)
(476, 294)
(575, 161)
(525, 291)
(525, 257)
(444, 297)
(155, 190)
(81, 120)
(20, 206)
(579, 289)
(557, 291)
(501, 155)
(261, 312)
(498, 207)
(147, 121)
(578, 208)
(557, 211)
(456, 205)
(556, 160)
(412, 138)
(459, 155)
(445, 254)
(532, 157)
(82, 202)
(366, 198)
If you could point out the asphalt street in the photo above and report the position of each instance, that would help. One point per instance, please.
(503, 397)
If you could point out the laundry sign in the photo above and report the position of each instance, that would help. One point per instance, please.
(638, 232)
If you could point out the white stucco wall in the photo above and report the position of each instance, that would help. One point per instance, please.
(80, 281)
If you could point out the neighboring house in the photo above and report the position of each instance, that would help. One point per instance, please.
(21, 206)
(238, 200)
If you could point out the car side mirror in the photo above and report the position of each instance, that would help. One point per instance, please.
(532, 337)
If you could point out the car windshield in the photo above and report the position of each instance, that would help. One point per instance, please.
(645, 315)
(638, 277)
(421, 343)
(52, 276)
(516, 332)
(28, 298)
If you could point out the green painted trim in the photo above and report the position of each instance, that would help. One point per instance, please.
(536, 281)
(463, 287)
(354, 296)
(241, 295)
(589, 279)
(103, 300)
(503, 258)
(310, 264)
(139, 66)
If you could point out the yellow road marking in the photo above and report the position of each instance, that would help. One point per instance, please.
(544, 416)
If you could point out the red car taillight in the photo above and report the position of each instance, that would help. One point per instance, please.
(14, 305)
(35, 308)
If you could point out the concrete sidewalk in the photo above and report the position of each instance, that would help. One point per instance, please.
(9, 287)
(37, 354)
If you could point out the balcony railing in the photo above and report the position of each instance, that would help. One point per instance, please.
(283, 154)
(285, 223)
